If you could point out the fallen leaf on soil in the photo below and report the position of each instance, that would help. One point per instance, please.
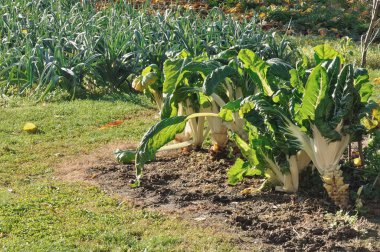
(112, 124)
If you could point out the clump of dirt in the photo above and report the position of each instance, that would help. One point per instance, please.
(194, 186)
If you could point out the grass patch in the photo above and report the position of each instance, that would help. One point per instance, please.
(39, 212)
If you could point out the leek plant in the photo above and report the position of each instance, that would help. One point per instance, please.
(55, 45)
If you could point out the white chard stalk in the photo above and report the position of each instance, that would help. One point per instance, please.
(186, 134)
(196, 125)
(325, 155)
(219, 136)
(328, 155)
(290, 180)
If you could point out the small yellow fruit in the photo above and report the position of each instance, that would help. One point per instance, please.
(30, 128)
(357, 161)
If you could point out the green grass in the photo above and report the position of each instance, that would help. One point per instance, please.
(38, 212)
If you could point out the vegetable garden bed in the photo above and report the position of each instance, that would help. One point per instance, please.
(194, 186)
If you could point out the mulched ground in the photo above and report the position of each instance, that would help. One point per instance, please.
(193, 186)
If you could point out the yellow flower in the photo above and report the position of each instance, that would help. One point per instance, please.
(25, 31)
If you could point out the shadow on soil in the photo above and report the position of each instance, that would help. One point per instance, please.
(193, 186)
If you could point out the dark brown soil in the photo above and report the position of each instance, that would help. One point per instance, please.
(193, 186)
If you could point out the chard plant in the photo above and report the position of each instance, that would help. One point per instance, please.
(319, 117)
(281, 117)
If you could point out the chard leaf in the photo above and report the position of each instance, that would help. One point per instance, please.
(125, 156)
(157, 136)
(150, 68)
(204, 68)
(217, 77)
(173, 73)
(326, 52)
(322, 116)
(248, 153)
(344, 83)
(365, 92)
(169, 108)
(332, 70)
(362, 84)
(331, 111)
(343, 94)
(295, 80)
(257, 70)
(368, 123)
(279, 68)
(315, 91)
(227, 54)
(204, 101)
(226, 112)
(239, 170)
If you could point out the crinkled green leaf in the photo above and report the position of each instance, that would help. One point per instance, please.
(248, 153)
(227, 54)
(157, 136)
(204, 67)
(148, 69)
(333, 69)
(315, 91)
(169, 108)
(295, 80)
(125, 156)
(239, 170)
(226, 112)
(217, 77)
(173, 73)
(326, 52)
(257, 69)
(279, 68)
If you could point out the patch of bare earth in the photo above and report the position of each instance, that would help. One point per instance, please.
(193, 187)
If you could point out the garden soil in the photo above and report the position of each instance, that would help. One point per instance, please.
(193, 186)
